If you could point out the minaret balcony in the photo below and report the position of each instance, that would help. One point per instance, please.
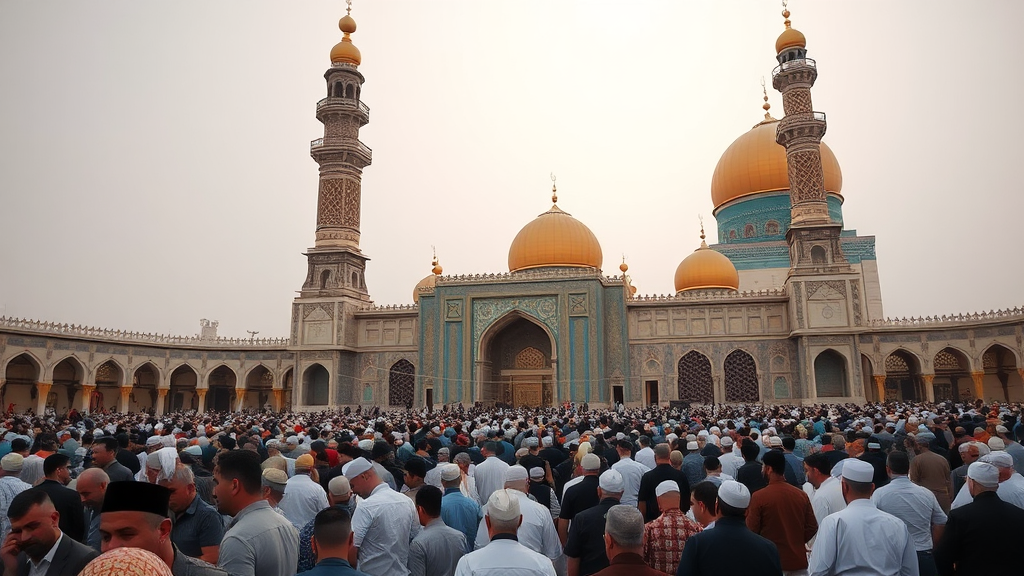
(799, 71)
(810, 125)
(342, 104)
(323, 147)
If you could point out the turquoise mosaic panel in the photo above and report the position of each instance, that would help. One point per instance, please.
(757, 212)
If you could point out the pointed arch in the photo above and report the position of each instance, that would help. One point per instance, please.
(741, 377)
(68, 370)
(146, 375)
(830, 375)
(695, 382)
(500, 380)
(401, 383)
(183, 382)
(903, 376)
(20, 360)
(109, 373)
(259, 376)
(316, 385)
(1002, 373)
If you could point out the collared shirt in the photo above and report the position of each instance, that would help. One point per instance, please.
(828, 499)
(185, 565)
(306, 557)
(915, 505)
(537, 532)
(334, 567)
(490, 476)
(198, 526)
(383, 526)
(10, 486)
(259, 542)
(44, 564)
(303, 498)
(630, 564)
(504, 557)
(436, 550)
(1012, 491)
(664, 539)
(782, 513)
(632, 472)
(93, 538)
(462, 514)
(863, 540)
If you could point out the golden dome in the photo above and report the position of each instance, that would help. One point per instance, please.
(345, 51)
(755, 163)
(706, 269)
(554, 238)
(790, 37)
(428, 282)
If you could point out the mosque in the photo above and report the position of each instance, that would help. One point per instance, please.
(786, 308)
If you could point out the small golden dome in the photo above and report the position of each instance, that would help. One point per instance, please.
(756, 163)
(623, 267)
(347, 24)
(428, 282)
(554, 238)
(706, 269)
(345, 52)
(437, 269)
(790, 37)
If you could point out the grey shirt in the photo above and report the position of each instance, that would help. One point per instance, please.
(184, 565)
(259, 542)
(436, 550)
(915, 505)
(200, 525)
(118, 472)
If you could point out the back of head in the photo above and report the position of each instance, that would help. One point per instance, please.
(110, 444)
(788, 443)
(244, 466)
(53, 463)
(749, 450)
(775, 461)
(819, 462)
(662, 452)
(707, 494)
(625, 525)
(676, 458)
(331, 527)
(712, 463)
(898, 462)
(428, 498)
(838, 442)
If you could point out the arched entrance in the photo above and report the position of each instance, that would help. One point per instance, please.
(741, 378)
(952, 375)
(221, 383)
(144, 385)
(287, 383)
(68, 375)
(517, 368)
(259, 385)
(109, 377)
(1002, 374)
(830, 375)
(20, 377)
(316, 386)
(401, 382)
(183, 384)
(903, 377)
(695, 382)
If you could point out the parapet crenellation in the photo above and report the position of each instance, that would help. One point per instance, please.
(709, 295)
(59, 329)
(953, 319)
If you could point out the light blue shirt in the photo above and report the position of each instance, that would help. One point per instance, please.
(461, 513)
(915, 505)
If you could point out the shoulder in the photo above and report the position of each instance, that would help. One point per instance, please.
(77, 550)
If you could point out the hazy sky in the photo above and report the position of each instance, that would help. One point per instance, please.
(155, 169)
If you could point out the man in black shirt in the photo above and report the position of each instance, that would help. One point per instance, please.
(57, 474)
(580, 496)
(585, 547)
(126, 457)
(563, 472)
(663, 470)
(750, 474)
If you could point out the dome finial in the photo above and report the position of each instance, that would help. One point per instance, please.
(437, 267)
(623, 267)
(345, 51)
(554, 189)
(348, 8)
(703, 244)
(766, 106)
(785, 12)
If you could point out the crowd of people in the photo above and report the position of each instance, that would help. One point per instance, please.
(887, 488)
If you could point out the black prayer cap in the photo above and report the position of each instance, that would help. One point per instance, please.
(131, 496)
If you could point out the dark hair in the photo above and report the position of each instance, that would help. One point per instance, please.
(109, 444)
(54, 462)
(331, 526)
(624, 445)
(859, 488)
(417, 467)
(707, 494)
(712, 463)
(244, 466)
(491, 447)
(731, 511)
(818, 461)
(24, 502)
(749, 450)
(428, 497)
(47, 441)
(776, 461)
(898, 462)
(19, 445)
(227, 442)
(788, 442)
(122, 440)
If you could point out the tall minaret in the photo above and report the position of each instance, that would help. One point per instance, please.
(336, 265)
(813, 236)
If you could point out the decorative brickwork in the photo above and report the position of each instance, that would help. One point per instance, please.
(401, 384)
(741, 378)
(805, 177)
(695, 381)
(797, 101)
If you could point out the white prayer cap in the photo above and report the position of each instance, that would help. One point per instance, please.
(546, 441)
(691, 437)
(775, 441)
(503, 506)
(671, 437)
(858, 470)
(611, 481)
(531, 442)
(153, 441)
(366, 444)
(702, 434)
(356, 467)
(193, 450)
(1000, 459)
(715, 429)
(837, 469)
(726, 440)
(1001, 429)
(996, 443)
(666, 487)
(12, 462)
(984, 473)
(536, 473)
(339, 486)
(620, 436)
(450, 472)
(734, 494)
(590, 462)
(516, 473)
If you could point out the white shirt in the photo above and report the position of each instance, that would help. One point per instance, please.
(632, 472)
(44, 564)
(490, 476)
(303, 499)
(10, 486)
(383, 526)
(537, 532)
(504, 558)
(915, 505)
(645, 456)
(863, 540)
(731, 462)
(1012, 491)
(32, 469)
(828, 499)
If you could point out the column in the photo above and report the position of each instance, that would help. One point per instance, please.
(239, 398)
(123, 405)
(979, 384)
(42, 391)
(201, 392)
(278, 399)
(880, 386)
(161, 400)
(87, 390)
(929, 389)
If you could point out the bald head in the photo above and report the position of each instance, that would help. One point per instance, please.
(91, 487)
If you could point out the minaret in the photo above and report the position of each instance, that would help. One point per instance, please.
(336, 265)
(813, 236)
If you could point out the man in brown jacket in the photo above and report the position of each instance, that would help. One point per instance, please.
(782, 513)
(930, 470)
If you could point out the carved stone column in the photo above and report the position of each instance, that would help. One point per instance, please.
(929, 389)
(42, 391)
(239, 398)
(979, 384)
(201, 392)
(126, 391)
(87, 391)
(880, 386)
(161, 400)
(278, 399)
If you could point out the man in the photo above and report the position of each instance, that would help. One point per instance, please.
(56, 475)
(1012, 447)
(490, 474)
(36, 546)
(645, 455)
(631, 470)
(969, 454)
(503, 555)
(730, 547)
(828, 491)
(750, 473)
(91, 488)
(273, 483)
(580, 496)
(332, 543)
(794, 463)
(915, 505)
(303, 497)
(876, 458)
(339, 494)
(662, 471)
(543, 493)
(782, 513)
(467, 483)
(258, 541)
(1011, 484)
(693, 463)
(383, 525)
(731, 461)
(104, 457)
(975, 540)
(665, 536)
(930, 470)
(838, 451)
(861, 539)
(624, 542)
(415, 475)
(198, 527)
(134, 515)
(10, 486)
(458, 510)
(437, 549)
(704, 504)
(584, 547)
(536, 531)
